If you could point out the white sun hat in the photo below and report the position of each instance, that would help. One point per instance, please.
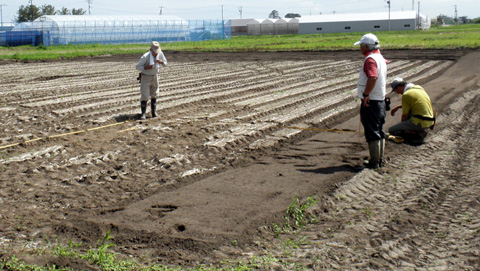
(368, 39)
(155, 46)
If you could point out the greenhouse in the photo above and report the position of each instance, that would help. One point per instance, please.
(272, 26)
(83, 29)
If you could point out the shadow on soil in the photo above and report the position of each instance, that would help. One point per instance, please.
(332, 170)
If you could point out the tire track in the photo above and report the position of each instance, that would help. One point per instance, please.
(423, 215)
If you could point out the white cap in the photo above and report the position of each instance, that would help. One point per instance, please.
(155, 47)
(395, 82)
(368, 39)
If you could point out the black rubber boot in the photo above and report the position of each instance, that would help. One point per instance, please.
(375, 154)
(154, 107)
(143, 105)
(382, 152)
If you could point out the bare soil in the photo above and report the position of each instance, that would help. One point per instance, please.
(237, 138)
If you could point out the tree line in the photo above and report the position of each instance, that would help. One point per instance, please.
(31, 12)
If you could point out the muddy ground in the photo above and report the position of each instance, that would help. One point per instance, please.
(237, 138)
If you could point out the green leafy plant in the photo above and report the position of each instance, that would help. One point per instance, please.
(369, 213)
(14, 264)
(103, 257)
(296, 216)
(67, 251)
(296, 212)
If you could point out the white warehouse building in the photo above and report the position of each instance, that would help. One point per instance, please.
(363, 22)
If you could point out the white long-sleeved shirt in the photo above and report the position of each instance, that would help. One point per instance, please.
(147, 59)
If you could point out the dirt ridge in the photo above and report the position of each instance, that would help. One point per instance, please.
(169, 197)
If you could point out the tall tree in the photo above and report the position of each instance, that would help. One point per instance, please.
(274, 15)
(31, 12)
(64, 11)
(79, 11)
(27, 13)
(47, 10)
(293, 15)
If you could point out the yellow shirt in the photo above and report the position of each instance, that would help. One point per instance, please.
(415, 101)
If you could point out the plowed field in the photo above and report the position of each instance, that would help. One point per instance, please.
(237, 137)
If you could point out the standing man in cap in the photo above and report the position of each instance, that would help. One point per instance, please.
(149, 65)
(417, 110)
(372, 90)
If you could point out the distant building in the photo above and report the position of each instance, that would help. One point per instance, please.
(255, 27)
(6, 26)
(362, 22)
(333, 23)
(239, 26)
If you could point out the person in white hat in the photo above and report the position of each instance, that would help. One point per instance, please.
(417, 110)
(371, 86)
(148, 66)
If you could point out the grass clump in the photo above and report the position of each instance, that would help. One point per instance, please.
(296, 217)
(14, 264)
(103, 258)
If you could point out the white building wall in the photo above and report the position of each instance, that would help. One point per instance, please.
(355, 26)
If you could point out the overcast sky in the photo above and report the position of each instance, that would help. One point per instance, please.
(212, 9)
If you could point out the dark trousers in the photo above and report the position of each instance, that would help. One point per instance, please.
(373, 118)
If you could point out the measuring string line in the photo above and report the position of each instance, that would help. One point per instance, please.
(323, 130)
(65, 134)
(131, 129)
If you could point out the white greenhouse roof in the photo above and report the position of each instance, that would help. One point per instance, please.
(255, 21)
(374, 16)
(239, 22)
(73, 18)
(88, 21)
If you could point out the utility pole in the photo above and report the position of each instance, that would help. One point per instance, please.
(413, 5)
(419, 24)
(31, 8)
(222, 13)
(388, 2)
(161, 11)
(1, 16)
(89, 6)
(456, 15)
(240, 10)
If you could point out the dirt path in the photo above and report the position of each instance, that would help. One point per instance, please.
(221, 165)
(420, 212)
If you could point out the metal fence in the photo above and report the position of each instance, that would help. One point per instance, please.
(113, 32)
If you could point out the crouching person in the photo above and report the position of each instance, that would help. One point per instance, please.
(148, 66)
(417, 112)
